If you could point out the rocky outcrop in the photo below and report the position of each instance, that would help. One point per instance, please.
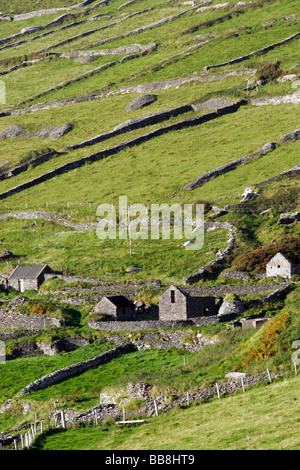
(12, 131)
(54, 132)
(294, 135)
(289, 218)
(230, 309)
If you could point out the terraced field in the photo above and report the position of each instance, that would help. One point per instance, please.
(164, 102)
(82, 66)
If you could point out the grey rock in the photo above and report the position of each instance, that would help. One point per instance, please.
(31, 29)
(294, 135)
(230, 308)
(289, 218)
(140, 102)
(12, 131)
(54, 132)
(133, 270)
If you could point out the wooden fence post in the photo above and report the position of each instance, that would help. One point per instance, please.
(188, 399)
(63, 420)
(269, 375)
(155, 407)
(218, 391)
(243, 386)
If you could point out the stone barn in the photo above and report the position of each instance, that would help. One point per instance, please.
(279, 265)
(117, 306)
(178, 304)
(28, 277)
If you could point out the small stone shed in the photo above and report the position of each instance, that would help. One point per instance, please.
(117, 306)
(279, 265)
(178, 304)
(28, 277)
(251, 322)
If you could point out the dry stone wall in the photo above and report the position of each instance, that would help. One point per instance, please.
(74, 369)
(263, 50)
(9, 319)
(221, 170)
(33, 14)
(112, 151)
(150, 324)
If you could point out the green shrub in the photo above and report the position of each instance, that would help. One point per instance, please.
(231, 296)
(99, 316)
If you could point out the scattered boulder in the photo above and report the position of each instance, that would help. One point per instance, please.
(249, 194)
(12, 131)
(231, 308)
(54, 132)
(6, 18)
(31, 29)
(140, 102)
(133, 270)
(287, 78)
(51, 349)
(289, 218)
(294, 135)
(48, 133)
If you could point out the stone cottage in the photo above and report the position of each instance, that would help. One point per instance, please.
(279, 265)
(29, 277)
(178, 304)
(118, 307)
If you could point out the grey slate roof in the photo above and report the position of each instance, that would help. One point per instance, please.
(120, 301)
(28, 272)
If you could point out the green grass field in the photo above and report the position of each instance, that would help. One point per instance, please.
(250, 421)
(156, 171)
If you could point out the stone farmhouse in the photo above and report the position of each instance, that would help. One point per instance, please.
(177, 304)
(118, 307)
(29, 277)
(279, 265)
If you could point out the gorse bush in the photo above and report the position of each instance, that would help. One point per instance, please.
(256, 260)
(47, 308)
(270, 341)
(269, 72)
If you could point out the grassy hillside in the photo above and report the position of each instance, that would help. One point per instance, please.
(45, 89)
(195, 427)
